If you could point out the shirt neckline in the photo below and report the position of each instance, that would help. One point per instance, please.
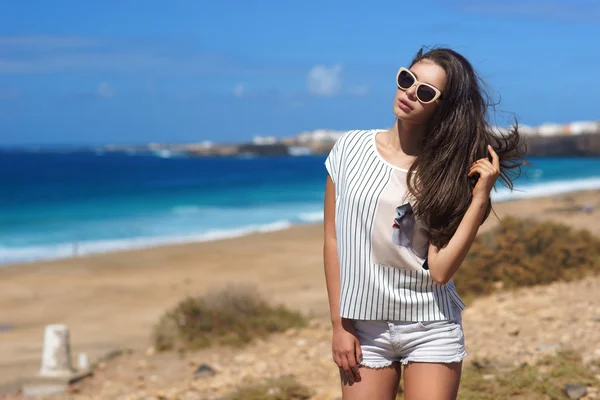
(379, 156)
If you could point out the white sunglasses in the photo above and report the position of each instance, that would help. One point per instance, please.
(425, 92)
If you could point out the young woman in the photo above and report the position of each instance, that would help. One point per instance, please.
(402, 208)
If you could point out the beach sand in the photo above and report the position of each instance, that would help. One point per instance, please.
(111, 301)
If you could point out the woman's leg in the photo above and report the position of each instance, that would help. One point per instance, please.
(431, 381)
(375, 383)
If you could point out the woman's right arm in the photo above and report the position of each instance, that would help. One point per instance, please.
(330, 255)
(345, 345)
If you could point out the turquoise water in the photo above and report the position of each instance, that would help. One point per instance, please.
(49, 201)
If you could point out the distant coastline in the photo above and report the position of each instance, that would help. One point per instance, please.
(578, 139)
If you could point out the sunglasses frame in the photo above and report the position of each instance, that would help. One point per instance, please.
(416, 83)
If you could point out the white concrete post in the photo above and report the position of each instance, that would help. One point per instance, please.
(56, 357)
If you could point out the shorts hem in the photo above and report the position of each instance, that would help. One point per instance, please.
(376, 364)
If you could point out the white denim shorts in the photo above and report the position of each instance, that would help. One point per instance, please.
(383, 342)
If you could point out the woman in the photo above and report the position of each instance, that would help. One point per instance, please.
(402, 208)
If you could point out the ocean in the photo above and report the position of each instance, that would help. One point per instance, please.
(53, 205)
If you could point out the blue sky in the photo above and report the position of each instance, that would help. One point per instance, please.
(118, 71)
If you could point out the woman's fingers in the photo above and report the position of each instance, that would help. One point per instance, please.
(346, 368)
(486, 165)
(481, 170)
(358, 354)
(337, 359)
(495, 158)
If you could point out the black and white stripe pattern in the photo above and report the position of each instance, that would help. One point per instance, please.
(370, 291)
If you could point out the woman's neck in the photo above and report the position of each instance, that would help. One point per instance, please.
(406, 138)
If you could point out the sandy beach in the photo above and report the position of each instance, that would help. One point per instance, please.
(112, 301)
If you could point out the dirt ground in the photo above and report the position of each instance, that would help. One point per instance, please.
(111, 301)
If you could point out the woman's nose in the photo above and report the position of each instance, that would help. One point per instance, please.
(412, 91)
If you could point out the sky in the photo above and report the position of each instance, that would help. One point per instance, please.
(124, 71)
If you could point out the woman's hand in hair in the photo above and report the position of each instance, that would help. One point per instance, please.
(488, 173)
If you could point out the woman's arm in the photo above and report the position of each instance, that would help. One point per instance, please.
(330, 254)
(345, 346)
(443, 263)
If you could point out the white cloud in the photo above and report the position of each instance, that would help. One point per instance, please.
(105, 90)
(239, 90)
(324, 81)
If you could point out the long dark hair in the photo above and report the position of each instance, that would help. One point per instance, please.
(457, 135)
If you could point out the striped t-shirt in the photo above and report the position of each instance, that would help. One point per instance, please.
(382, 248)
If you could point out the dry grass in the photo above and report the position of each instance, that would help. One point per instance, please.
(546, 380)
(522, 252)
(232, 316)
(284, 388)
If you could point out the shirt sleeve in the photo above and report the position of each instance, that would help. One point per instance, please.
(333, 161)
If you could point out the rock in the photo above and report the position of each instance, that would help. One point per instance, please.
(260, 367)
(546, 347)
(291, 332)
(575, 392)
(501, 297)
(565, 338)
(150, 351)
(204, 370)
(160, 395)
(301, 342)
(274, 351)
(244, 358)
(191, 395)
(513, 330)
(488, 377)
(74, 389)
(498, 285)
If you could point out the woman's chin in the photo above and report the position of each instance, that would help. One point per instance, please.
(400, 113)
(403, 116)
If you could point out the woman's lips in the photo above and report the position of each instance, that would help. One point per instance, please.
(404, 105)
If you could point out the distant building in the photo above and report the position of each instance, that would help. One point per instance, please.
(319, 136)
(264, 140)
(582, 127)
(549, 129)
(527, 130)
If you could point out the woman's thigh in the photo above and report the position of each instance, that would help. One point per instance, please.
(431, 381)
(375, 383)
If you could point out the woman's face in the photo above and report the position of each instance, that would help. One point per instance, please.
(406, 105)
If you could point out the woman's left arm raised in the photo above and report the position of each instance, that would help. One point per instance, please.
(443, 263)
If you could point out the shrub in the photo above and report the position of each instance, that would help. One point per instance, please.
(232, 316)
(547, 379)
(523, 252)
(284, 388)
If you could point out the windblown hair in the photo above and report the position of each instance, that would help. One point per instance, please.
(456, 136)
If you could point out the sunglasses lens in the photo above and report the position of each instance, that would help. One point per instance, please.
(405, 80)
(425, 93)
